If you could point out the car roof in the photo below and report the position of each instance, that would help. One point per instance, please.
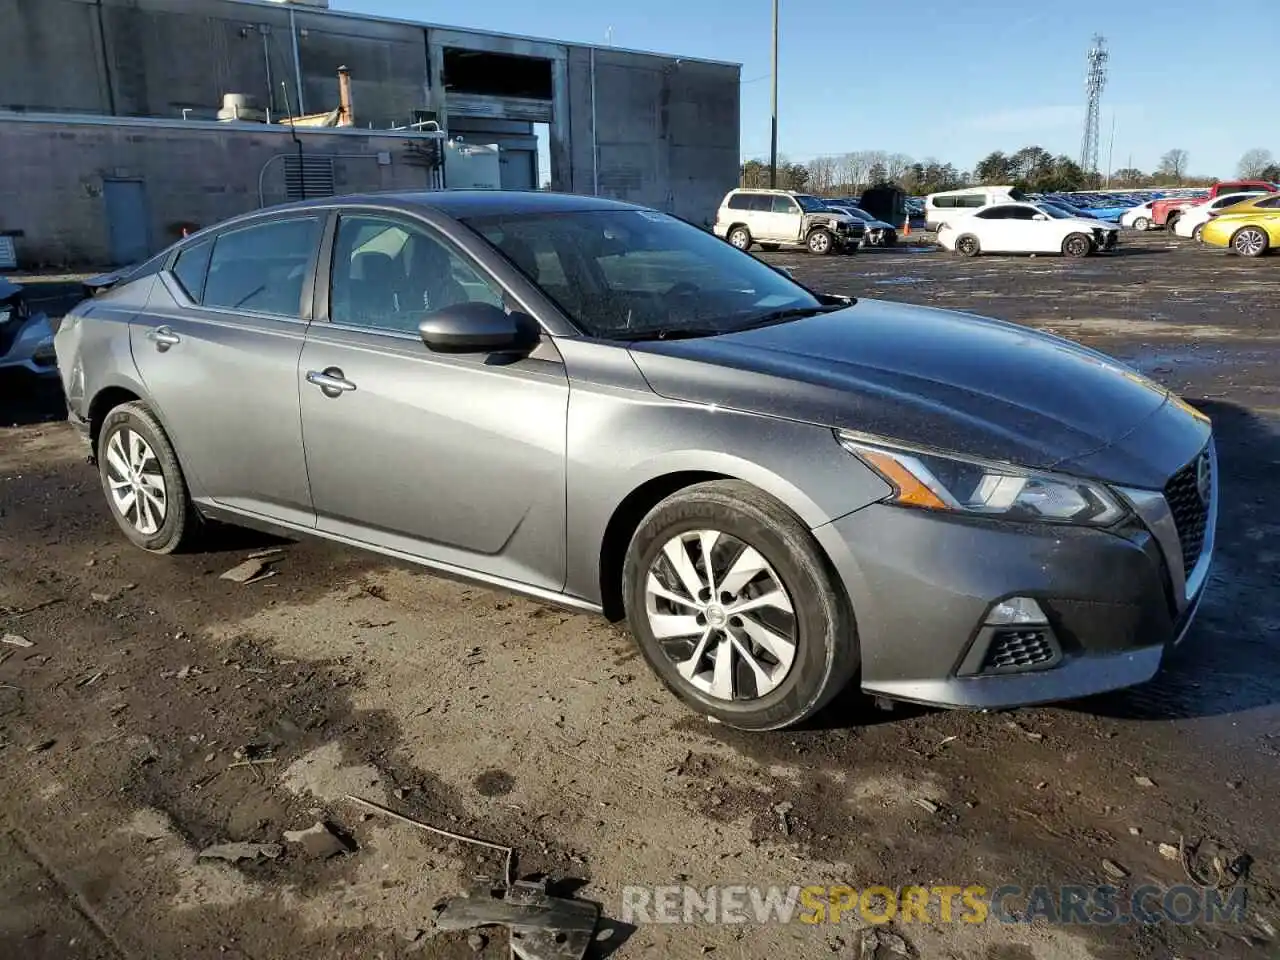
(461, 204)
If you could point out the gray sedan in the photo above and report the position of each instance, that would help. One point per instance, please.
(599, 405)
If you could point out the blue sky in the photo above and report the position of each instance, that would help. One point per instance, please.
(951, 80)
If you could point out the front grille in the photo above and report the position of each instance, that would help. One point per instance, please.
(1018, 649)
(1190, 511)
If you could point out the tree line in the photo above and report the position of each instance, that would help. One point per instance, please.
(1032, 168)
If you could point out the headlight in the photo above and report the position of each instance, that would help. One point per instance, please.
(937, 482)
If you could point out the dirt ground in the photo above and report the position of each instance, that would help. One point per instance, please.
(128, 724)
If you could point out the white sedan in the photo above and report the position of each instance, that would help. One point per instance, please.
(1194, 218)
(1026, 228)
(1139, 217)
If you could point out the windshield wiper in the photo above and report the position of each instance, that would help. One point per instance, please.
(792, 313)
(669, 333)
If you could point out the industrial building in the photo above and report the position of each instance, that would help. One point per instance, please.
(124, 122)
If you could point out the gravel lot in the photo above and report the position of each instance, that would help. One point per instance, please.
(148, 682)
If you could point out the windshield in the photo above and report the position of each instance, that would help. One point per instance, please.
(810, 204)
(624, 274)
(1055, 211)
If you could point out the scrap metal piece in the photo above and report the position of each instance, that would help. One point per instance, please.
(542, 927)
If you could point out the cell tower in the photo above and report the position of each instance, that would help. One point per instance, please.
(1095, 79)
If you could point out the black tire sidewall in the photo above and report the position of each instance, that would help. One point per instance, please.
(167, 538)
(826, 638)
(831, 242)
(1067, 244)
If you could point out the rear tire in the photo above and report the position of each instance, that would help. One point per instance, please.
(1077, 245)
(1142, 224)
(740, 237)
(968, 246)
(799, 657)
(1250, 242)
(820, 242)
(143, 481)
(1171, 222)
(1198, 233)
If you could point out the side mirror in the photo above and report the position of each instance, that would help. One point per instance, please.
(478, 328)
(1040, 216)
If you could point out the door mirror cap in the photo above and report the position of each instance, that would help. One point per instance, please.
(479, 328)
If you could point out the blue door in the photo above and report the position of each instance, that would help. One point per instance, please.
(127, 230)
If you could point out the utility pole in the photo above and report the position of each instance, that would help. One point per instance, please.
(773, 133)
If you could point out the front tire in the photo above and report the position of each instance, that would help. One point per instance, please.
(1142, 224)
(1077, 245)
(143, 481)
(740, 237)
(736, 609)
(820, 242)
(1250, 242)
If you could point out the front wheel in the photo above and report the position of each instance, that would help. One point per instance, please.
(143, 480)
(1142, 224)
(1250, 242)
(820, 242)
(1077, 245)
(736, 609)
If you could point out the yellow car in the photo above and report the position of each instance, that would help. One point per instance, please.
(1250, 228)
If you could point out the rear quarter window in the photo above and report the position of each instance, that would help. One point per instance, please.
(739, 201)
(191, 267)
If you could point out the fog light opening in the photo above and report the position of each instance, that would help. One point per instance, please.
(1016, 610)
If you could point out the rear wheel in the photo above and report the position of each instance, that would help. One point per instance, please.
(1171, 222)
(968, 246)
(736, 609)
(143, 481)
(1250, 242)
(740, 237)
(1077, 245)
(820, 242)
(1142, 224)
(1198, 233)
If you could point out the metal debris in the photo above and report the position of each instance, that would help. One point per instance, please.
(542, 927)
(925, 804)
(1113, 869)
(235, 852)
(269, 552)
(16, 641)
(250, 571)
(1144, 781)
(461, 838)
(319, 841)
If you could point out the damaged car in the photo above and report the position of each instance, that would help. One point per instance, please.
(26, 337)
(781, 492)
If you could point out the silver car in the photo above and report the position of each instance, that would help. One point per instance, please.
(600, 405)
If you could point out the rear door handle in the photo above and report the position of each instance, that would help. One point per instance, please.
(330, 381)
(163, 338)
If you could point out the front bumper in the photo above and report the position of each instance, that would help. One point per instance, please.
(31, 349)
(1106, 239)
(923, 586)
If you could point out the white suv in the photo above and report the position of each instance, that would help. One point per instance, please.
(775, 218)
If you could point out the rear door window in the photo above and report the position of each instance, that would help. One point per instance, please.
(262, 268)
(784, 205)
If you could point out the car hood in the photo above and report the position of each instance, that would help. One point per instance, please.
(940, 379)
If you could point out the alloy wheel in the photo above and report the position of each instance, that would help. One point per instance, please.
(136, 481)
(968, 246)
(721, 614)
(1249, 242)
(740, 239)
(1141, 224)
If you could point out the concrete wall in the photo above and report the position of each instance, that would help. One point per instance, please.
(666, 131)
(52, 172)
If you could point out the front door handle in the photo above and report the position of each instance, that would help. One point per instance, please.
(330, 381)
(163, 338)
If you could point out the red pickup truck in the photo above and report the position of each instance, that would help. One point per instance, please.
(1166, 212)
